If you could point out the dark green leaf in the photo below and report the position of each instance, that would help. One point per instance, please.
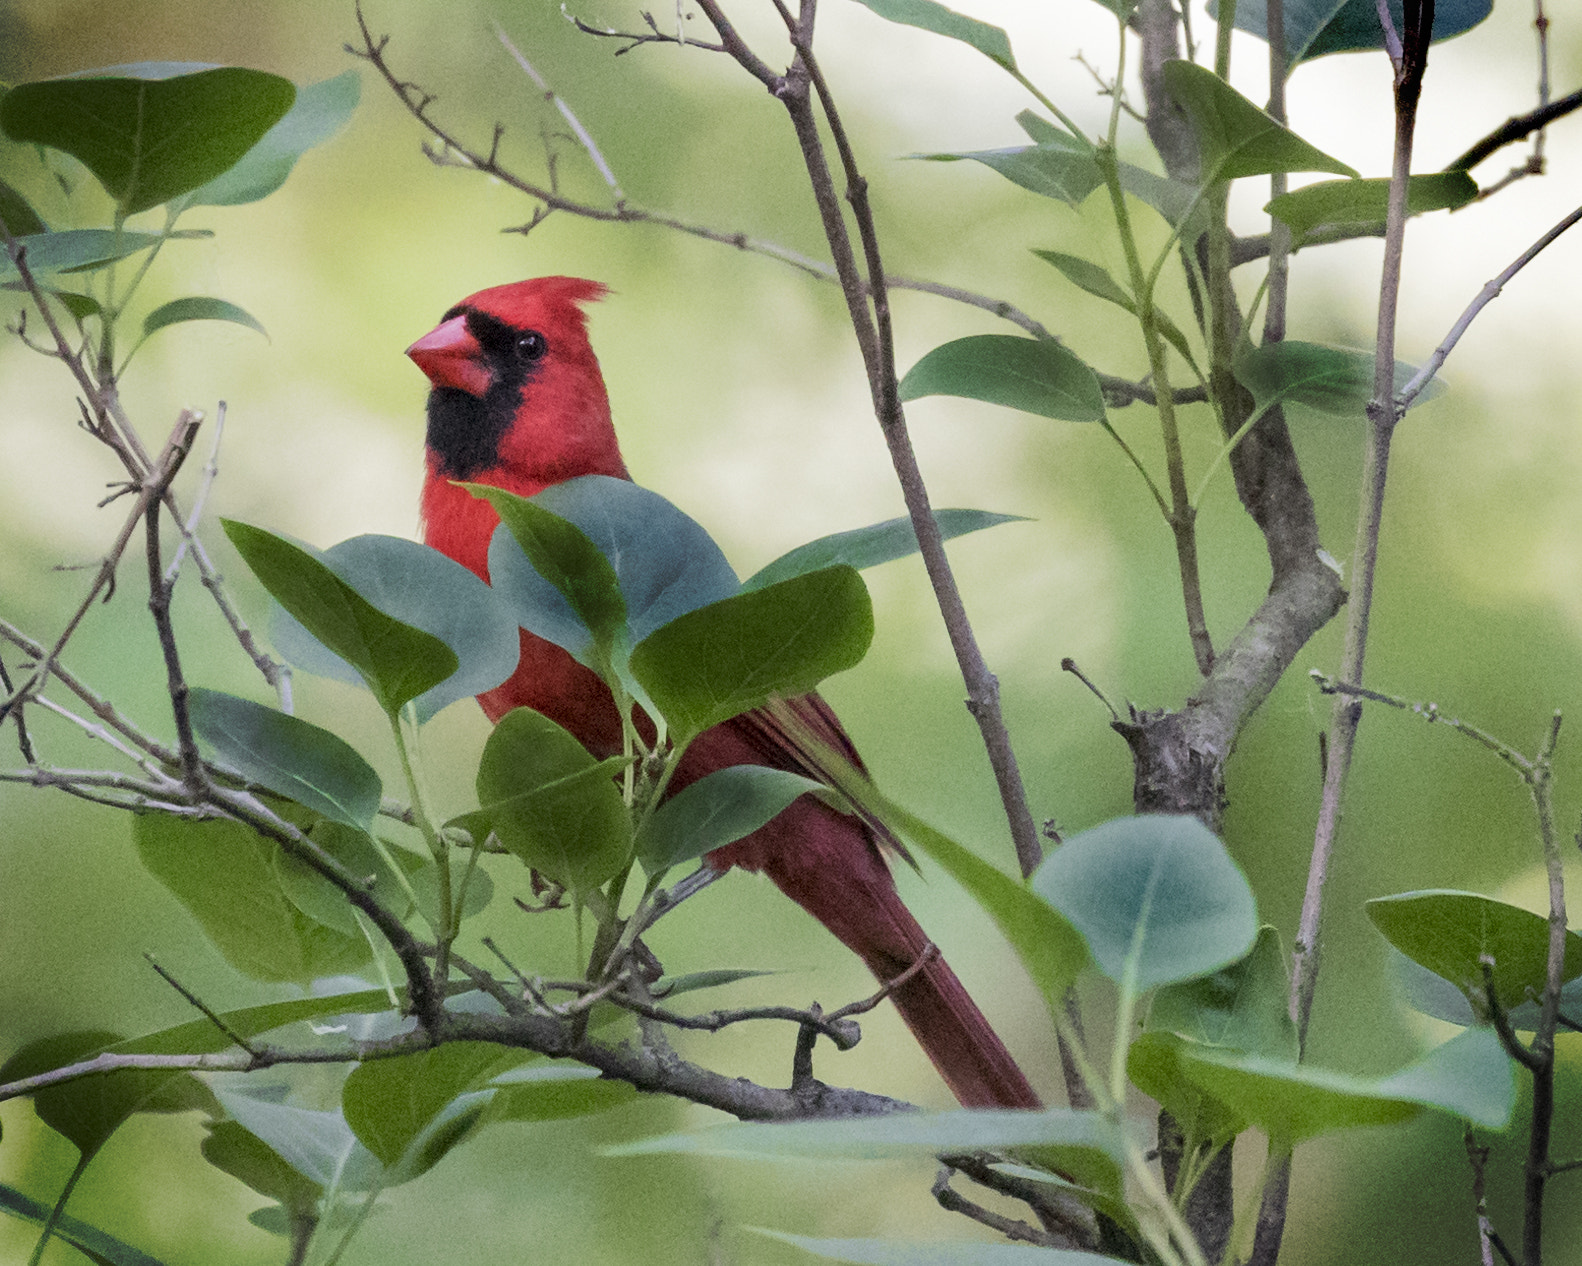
(1469, 1076)
(17, 213)
(1339, 202)
(553, 1091)
(1450, 933)
(1155, 1065)
(199, 308)
(397, 661)
(1316, 27)
(1156, 896)
(664, 563)
(89, 1240)
(75, 250)
(1098, 283)
(235, 1150)
(551, 803)
(148, 134)
(391, 1104)
(560, 552)
(1068, 175)
(718, 809)
(288, 755)
(1034, 375)
(425, 882)
(354, 849)
(423, 588)
(928, 15)
(731, 656)
(1332, 380)
(88, 1110)
(1236, 138)
(224, 874)
(1435, 996)
(320, 111)
(870, 546)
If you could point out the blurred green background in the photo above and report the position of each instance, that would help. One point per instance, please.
(739, 396)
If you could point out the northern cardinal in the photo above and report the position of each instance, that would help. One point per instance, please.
(518, 402)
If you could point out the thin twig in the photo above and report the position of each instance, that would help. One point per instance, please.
(952, 1201)
(209, 1013)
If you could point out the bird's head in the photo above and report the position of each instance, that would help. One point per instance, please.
(517, 396)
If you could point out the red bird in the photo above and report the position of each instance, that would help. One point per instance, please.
(518, 402)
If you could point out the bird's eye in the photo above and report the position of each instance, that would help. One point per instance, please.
(531, 346)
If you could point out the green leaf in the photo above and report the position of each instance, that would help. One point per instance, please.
(89, 1240)
(1316, 27)
(1155, 1065)
(732, 656)
(392, 1104)
(318, 1145)
(1469, 1077)
(421, 587)
(872, 545)
(17, 213)
(199, 308)
(718, 809)
(1157, 898)
(289, 756)
(928, 15)
(1098, 283)
(870, 1252)
(1086, 1146)
(1235, 138)
(235, 1150)
(397, 661)
(152, 132)
(88, 1110)
(1450, 933)
(1341, 202)
(1034, 375)
(553, 1091)
(1243, 1006)
(663, 561)
(562, 553)
(1066, 173)
(551, 803)
(224, 874)
(1334, 380)
(675, 986)
(320, 111)
(354, 849)
(76, 250)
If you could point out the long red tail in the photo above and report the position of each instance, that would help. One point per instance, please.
(831, 865)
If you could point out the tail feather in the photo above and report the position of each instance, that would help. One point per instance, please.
(830, 864)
